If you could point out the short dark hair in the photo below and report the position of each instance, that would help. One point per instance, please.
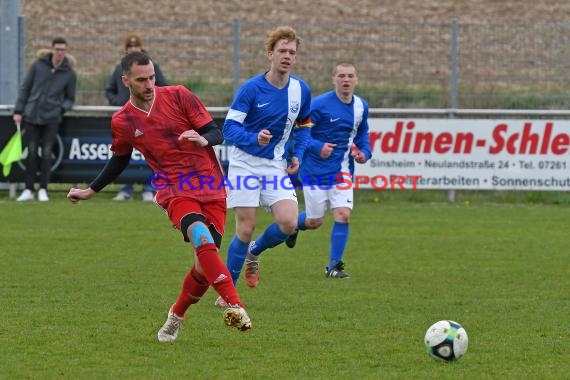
(130, 59)
(58, 40)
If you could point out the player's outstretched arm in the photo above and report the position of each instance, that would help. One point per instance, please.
(108, 174)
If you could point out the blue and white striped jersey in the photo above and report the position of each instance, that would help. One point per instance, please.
(260, 105)
(338, 123)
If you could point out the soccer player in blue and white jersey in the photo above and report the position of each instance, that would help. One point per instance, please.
(259, 123)
(339, 137)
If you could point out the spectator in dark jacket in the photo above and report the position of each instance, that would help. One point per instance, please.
(47, 93)
(118, 94)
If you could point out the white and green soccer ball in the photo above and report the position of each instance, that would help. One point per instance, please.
(446, 341)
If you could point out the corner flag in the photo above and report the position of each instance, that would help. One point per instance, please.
(11, 153)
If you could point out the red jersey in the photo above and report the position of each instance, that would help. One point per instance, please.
(182, 168)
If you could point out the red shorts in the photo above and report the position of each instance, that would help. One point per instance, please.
(214, 212)
(181, 202)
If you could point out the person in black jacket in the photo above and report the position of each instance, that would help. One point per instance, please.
(47, 93)
(117, 95)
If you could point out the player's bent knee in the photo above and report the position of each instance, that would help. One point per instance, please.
(245, 233)
(342, 214)
(216, 235)
(195, 231)
(288, 228)
(201, 235)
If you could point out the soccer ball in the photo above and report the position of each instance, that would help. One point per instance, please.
(446, 341)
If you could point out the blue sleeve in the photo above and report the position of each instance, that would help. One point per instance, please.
(233, 129)
(305, 111)
(303, 123)
(315, 146)
(362, 140)
(302, 138)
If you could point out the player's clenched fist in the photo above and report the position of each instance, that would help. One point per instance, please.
(76, 195)
(264, 137)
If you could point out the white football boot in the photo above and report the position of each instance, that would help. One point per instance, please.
(236, 316)
(169, 331)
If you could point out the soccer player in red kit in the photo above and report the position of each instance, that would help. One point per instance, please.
(172, 129)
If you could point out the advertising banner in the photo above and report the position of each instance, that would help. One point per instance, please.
(468, 154)
(81, 150)
(472, 154)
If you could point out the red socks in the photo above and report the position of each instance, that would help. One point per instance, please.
(217, 273)
(193, 288)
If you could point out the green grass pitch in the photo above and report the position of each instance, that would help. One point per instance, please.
(84, 289)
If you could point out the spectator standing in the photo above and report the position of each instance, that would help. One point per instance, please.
(118, 94)
(48, 91)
